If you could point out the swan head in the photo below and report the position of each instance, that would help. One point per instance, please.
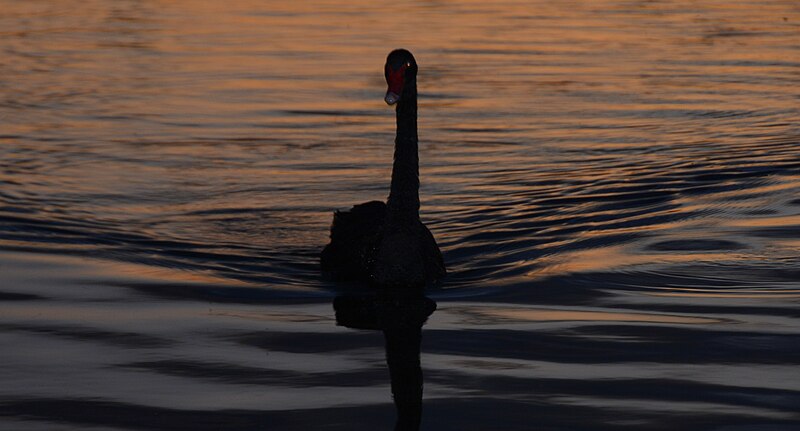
(400, 69)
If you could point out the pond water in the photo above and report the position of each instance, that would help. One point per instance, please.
(614, 186)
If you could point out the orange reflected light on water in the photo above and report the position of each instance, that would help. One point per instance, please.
(598, 259)
(261, 101)
(516, 314)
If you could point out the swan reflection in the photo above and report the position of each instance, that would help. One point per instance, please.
(400, 316)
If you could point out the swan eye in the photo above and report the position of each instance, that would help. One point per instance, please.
(408, 64)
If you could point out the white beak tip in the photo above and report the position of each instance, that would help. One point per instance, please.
(391, 98)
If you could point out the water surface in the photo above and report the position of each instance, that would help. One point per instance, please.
(614, 185)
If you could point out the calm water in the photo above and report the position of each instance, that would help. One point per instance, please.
(614, 185)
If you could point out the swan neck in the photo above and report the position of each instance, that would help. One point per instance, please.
(404, 195)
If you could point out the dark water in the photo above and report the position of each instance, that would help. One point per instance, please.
(614, 185)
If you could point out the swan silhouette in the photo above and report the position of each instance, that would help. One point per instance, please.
(386, 243)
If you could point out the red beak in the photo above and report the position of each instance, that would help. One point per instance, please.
(395, 79)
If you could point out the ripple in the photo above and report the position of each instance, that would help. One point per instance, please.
(616, 200)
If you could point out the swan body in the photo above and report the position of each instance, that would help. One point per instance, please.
(386, 243)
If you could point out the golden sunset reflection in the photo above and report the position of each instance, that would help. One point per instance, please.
(619, 257)
(613, 185)
(506, 314)
(48, 269)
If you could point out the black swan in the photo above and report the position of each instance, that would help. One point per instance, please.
(387, 244)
